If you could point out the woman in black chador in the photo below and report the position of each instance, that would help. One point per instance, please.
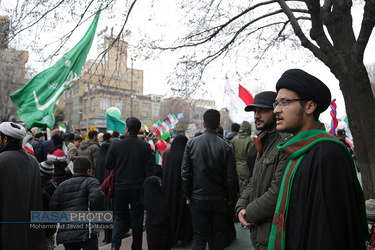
(158, 229)
(172, 189)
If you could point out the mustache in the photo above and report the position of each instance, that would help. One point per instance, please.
(258, 120)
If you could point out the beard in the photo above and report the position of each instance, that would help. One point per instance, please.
(268, 125)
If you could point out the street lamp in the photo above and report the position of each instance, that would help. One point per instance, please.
(131, 90)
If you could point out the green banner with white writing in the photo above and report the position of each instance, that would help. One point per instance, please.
(36, 100)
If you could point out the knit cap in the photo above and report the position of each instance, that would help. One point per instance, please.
(46, 168)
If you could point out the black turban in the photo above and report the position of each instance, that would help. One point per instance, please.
(307, 86)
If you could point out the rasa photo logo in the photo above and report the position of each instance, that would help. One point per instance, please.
(71, 217)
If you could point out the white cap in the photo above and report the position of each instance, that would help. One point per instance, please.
(13, 130)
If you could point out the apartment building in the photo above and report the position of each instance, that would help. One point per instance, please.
(109, 83)
(12, 72)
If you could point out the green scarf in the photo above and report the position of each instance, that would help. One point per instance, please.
(295, 149)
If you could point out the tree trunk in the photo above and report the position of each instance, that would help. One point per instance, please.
(360, 108)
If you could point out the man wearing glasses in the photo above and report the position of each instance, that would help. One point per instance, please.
(320, 204)
(256, 206)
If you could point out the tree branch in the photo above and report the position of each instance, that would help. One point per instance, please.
(367, 27)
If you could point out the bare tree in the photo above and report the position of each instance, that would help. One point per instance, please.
(324, 28)
(218, 29)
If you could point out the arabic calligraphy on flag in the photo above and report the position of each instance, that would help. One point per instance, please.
(36, 100)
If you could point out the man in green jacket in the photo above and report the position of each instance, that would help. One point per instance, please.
(241, 145)
(90, 149)
(256, 206)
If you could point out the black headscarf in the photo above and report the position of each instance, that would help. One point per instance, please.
(172, 188)
(307, 86)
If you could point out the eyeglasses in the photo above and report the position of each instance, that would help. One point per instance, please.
(284, 103)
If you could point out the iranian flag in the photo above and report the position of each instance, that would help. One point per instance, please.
(152, 144)
(62, 127)
(245, 95)
(158, 158)
(236, 103)
(163, 125)
(171, 120)
(156, 128)
(29, 148)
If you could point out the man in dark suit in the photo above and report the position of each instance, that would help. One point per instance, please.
(134, 163)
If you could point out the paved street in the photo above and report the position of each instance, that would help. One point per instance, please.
(242, 241)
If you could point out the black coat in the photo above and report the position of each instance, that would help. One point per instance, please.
(133, 160)
(20, 193)
(159, 233)
(172, 189)
(101, 172)
(323, 211)
(74, 195)
(209, 168)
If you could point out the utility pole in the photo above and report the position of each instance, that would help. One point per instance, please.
(131, 90)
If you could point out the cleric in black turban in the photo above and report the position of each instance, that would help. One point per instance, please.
(307, 86)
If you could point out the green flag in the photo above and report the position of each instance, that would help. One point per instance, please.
(115, 124)
(36, 100)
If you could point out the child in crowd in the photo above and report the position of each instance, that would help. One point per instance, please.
(80, 193)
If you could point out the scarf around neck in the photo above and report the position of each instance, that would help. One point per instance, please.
(295, 149)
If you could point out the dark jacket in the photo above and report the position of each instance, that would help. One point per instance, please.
(90, 149)
(101, 172)
(260, 197)
(76, 194)
(20, 193)
(209, 168)
(230, 135)
(43, 150)
(133, 160)
(49, 186)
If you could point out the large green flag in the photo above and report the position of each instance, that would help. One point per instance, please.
(36, 100)
(114, 124)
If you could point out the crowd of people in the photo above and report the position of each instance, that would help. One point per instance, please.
(293, 185)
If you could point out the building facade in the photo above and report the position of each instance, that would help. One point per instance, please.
(12, 72)
(109, 83)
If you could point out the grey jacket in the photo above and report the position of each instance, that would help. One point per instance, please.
(260, 197)
(90, 149)
(72, 152)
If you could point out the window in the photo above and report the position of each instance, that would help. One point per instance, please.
(155, 98)
(119, 104)
(105, 103)
(75, 88)
(135, 106)
(67, 110)
(146, 107)
(76, 116)
(76, 100)
(156, 110)
(92, 104)
(86, 104)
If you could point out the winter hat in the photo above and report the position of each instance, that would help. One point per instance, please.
(46, 168)
(57, 140)
(65, 135)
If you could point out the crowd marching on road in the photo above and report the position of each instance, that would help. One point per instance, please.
(291, 184)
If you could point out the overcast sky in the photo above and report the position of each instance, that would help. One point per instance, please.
(163, 18)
